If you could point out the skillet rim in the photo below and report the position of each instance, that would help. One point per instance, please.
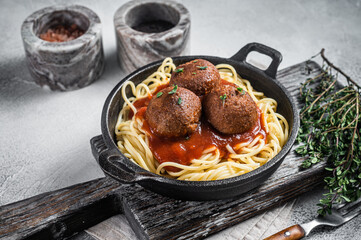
(252, 175)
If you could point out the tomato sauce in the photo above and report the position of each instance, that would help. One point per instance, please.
(225, 82)
(184, 150)
(143, 102)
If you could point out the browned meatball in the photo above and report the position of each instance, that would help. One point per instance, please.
(199, 76)
(230, 109)
(174, 112)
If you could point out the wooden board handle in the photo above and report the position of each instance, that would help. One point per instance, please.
(60, 214)
(292, 233)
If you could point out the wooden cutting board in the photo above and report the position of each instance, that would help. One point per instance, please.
(65, 212)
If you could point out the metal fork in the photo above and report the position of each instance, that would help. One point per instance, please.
(340, 215)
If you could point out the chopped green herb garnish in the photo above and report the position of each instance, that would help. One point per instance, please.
(195, 61)
(159, 94)
(194, 73)
(179, 101)
(179, 70)
(202, 67)
(223, 97)
(175, 87)
(241, 90)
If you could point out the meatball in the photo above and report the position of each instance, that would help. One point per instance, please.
(174, 112)
(199, 76)
(230, 109)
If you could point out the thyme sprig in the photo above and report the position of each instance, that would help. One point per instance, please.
(223, 98)
(174, 90)
(330, 131)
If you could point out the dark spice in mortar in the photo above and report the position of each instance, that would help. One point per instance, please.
(62, 33)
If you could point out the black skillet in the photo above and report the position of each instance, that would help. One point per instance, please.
(117, 166)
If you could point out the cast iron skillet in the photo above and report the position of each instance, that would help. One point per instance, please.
(117, 166)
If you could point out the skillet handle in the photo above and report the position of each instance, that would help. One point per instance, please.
(276, 56)
(112, 163)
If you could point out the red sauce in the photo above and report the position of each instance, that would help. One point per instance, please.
(225, 82)
(143, 102)
(184, 150)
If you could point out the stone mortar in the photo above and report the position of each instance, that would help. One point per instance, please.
(64, 65)
(137, 48)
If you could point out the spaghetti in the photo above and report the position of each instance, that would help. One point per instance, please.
(213, 164)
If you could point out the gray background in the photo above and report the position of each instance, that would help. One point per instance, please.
(44, 135)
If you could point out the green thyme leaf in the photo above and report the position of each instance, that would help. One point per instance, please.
(175, 87)
(159, 94)
(179, 70)
(179, 101)
(202, 67)
(195, 61)
(241, 90)
(194, 73)
(223, 97)
(330, 131)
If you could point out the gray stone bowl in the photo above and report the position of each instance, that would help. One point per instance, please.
(64, 65)
(150, 30)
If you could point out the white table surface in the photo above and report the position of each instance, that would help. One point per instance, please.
(44, 135)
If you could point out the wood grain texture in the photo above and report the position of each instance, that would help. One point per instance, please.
(294, 232)
(62, 213)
